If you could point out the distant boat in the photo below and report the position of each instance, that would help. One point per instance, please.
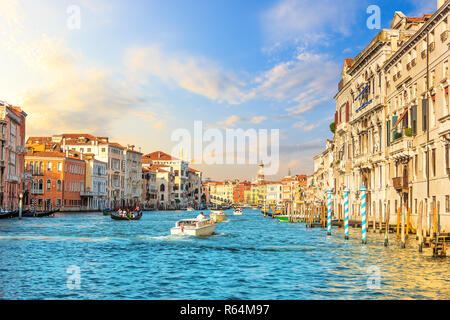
(128, 216)
(282, 217)
(237, 212)
(107, 212)
(194, 227)
(190, 209)
(218, 216)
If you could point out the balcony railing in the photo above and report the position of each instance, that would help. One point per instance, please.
(37, 191)
(400, 183)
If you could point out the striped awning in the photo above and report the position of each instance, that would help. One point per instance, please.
(400, 119)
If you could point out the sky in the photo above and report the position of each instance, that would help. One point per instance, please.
(137, 71)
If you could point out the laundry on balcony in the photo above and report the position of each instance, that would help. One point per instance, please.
(364, 105)
(400, 119)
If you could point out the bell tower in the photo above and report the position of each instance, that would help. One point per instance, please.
(261, 173)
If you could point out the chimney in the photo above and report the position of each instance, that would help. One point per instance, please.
(394, 43)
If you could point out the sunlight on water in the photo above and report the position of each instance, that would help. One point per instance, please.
(248, 257)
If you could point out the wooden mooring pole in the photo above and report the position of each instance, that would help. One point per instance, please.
(386, 227)
(420, 225)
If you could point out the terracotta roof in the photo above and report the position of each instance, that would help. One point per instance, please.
(348, 61)
(193, 170)
(419, 19)
(159, 155)
(51, 154)
(117, 145)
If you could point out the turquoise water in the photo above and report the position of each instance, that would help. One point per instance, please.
(249, 257)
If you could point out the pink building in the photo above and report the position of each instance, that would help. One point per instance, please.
(12, 141)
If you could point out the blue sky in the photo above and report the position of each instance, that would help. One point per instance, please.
(137, 70)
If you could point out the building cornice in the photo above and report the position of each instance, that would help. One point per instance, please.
(428, 25)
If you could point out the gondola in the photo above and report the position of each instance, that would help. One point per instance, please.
(9, 214)
(37, 214)
(117, 216)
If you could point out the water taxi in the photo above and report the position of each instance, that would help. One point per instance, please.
(237, 212)
(194, 227)
(282, 217)
(218, 216)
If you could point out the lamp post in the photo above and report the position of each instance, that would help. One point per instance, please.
(20, 205)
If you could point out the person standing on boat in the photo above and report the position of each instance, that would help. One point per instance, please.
(201, 217)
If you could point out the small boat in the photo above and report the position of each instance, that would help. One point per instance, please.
(218, 216)
(38, 214)
(237, 212)
(8, 214)
(126, 217)
(282, 217)
(190, 209)
(107, 212)
(194, 227)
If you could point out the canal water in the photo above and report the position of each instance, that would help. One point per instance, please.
(249, 257)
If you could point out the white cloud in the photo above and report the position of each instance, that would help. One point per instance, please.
(258, 119)
(305, 126)
(194, 74)
(304, 21)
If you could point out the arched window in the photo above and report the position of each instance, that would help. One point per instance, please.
(49, 166)
(49, 185)
(30, 167)
(41, 184)
(59, 185)
(41, 167)
(162, 188)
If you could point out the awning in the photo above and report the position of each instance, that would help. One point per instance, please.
(364, 105)
(400, 119)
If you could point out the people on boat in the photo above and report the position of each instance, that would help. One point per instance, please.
(201, 217)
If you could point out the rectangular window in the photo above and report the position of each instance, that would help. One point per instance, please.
(424, 114)
(447, 203)
(433, 162)
(414, 119)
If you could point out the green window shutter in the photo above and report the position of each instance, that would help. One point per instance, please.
(394, 121)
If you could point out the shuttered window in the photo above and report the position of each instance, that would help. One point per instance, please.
(414, 119)
(347, 112)
(394, 121)
(424, 114)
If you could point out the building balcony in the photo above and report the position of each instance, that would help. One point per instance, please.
(401, 147)
(400, 183)
(36, 191)
(342, 128)
(38, 173)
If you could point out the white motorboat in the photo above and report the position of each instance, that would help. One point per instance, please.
(237, 212)
(194, 227)
(218, 215)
